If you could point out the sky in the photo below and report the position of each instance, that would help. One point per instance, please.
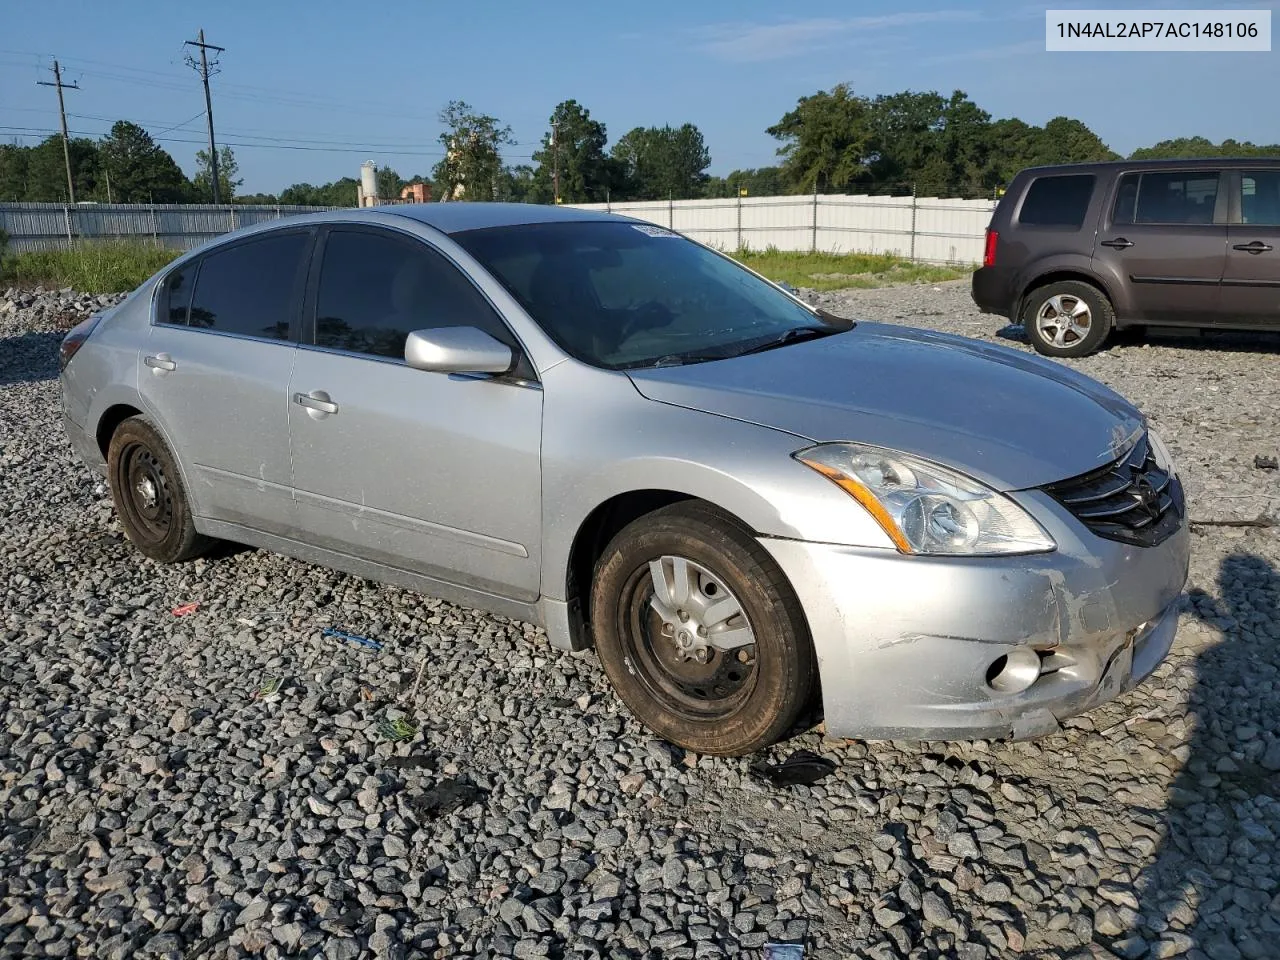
(308, 90)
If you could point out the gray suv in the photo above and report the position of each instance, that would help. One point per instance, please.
(1075, 251)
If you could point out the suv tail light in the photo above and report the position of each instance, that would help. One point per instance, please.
(75, 339)
(989, 254)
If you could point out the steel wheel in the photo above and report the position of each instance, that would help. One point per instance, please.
(148, 497)
(688, 638)
(1064, 319)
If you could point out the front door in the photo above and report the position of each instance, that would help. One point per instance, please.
(1251, 284)
(429, 472)
(1164, 240)
(214, 372)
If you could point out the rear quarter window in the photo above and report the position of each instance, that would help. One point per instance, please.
(1057, 201)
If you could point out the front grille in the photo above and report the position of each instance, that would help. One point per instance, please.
(1131, 500)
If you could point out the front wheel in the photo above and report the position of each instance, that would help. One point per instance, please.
(699, 632)
(1067, 319)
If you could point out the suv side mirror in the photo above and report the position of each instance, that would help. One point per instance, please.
(457, 350)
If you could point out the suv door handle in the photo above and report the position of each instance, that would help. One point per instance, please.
(316, 402)
(1119, 243)
(1257, 246)
(160, 364)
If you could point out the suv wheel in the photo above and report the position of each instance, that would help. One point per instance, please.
(1067, 319)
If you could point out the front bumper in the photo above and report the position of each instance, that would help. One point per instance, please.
(905, 644)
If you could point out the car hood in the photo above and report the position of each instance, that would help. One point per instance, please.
(1006, 418)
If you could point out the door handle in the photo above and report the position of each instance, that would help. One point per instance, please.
(320, 404)
(1257, 246)
(1119, 243)
(160, 363)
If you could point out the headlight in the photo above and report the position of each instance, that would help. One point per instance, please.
(927, 508)
(1164, 459)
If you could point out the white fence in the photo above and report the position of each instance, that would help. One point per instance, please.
(52, 226)
(926, 229)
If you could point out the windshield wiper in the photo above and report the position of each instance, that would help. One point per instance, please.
(789, 336)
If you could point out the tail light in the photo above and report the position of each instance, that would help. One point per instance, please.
(75, 339)
(989, 254)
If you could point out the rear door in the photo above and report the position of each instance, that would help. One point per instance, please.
(215, 374)
(1251, 283)
(1163, 239)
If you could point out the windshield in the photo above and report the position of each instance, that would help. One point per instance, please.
(622, 295)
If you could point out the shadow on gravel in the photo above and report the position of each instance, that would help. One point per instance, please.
(1202, 890)
(29, 357)
(1223, 341)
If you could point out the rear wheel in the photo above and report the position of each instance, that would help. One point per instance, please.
(148, 494)
(1067, 319)
(700, 633)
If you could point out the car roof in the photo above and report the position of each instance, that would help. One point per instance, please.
(1187, 163)
(457, 217)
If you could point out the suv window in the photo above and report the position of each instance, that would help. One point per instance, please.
(375, 288)
(1260, 197)
(176, 297)
(249, 288)
(1174, 197)
(1057, 201)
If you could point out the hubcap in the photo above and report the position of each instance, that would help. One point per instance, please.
(1064, 320)
(689, 638)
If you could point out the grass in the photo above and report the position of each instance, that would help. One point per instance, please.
(837, 271)
(109, 267)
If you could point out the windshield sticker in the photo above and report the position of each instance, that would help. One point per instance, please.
(649, 230)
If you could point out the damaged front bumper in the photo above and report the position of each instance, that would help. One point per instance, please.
(913, 647)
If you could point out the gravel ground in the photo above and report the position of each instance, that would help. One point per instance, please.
(156, 799)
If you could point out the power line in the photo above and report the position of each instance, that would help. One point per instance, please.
(62, 112)
(208, 102)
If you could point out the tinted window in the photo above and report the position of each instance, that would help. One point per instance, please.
(376, 288)
(249, 288)
(1260, 197)
(1169, 198)
(1057, 201)
(176, 296)
(631, 295)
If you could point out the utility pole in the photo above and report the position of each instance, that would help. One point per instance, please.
(203, 69)
(62, 111)
(555, 160)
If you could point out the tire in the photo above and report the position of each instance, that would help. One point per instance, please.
(1070, 318)
(740, 698)
(149, 497)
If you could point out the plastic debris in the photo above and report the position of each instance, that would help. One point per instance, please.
(397, 729)
(783, 951)
(352, 638)
(1266, 463)
(269, 690)
(184, 609)
(802, 767)
(445, 796)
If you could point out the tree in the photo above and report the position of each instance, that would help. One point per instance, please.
(339, 193)
(47, 170)
(472, 166)
(574, 145)
(139, 169)
(658, 163)
(826, 140)
(516, 185)
(760, 182)
(389, 184)
(14, 160)
(227, 180)
(1188, 147)
(260, 199)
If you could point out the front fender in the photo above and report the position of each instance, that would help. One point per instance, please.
(620, 442)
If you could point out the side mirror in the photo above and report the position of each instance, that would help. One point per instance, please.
(457, 350)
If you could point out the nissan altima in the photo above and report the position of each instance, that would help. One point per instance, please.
(746, 505)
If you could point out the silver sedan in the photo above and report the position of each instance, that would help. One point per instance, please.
(746, 505)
